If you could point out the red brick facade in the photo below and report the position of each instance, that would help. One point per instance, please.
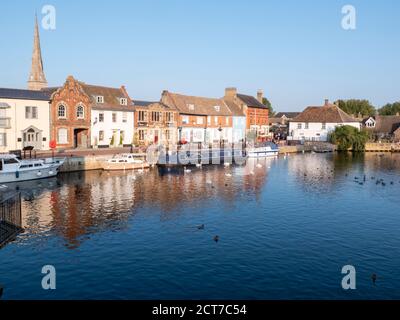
(256, 117)
(70, 127)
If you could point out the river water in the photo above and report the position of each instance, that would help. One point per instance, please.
(286, 228)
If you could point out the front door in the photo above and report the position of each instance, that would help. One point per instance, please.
(32, 138)
(81, 138)
(156, 136)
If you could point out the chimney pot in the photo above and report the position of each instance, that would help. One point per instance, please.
(260, 95)
(230, 93)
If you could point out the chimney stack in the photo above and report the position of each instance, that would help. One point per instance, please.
(260, 95)
(326, 103)
(230, 93)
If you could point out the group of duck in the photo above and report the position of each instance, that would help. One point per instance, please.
(364, 180)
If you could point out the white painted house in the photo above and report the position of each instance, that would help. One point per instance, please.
(24, 119)
(112, 116)
(316, 123)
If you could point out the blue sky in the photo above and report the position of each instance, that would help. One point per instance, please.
(296, 51)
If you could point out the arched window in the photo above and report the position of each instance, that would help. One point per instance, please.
(61, 111)
(80, 112)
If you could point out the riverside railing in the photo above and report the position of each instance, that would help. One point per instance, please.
(10, 218)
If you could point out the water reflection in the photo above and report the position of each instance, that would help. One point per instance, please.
(72, 206)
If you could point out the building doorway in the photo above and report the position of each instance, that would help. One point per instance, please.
(156, 138)
(81, 138)
(32, 137)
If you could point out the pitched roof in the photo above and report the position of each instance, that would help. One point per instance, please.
(386, 124)
(142, 103)
(111, 97)
(329, 113)
(250, 101)
(202, 105)
(288, 115)
(7, 93)
(235, 109)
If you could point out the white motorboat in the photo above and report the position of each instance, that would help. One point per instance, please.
(126, 161)
(13, 170)
(266, 149)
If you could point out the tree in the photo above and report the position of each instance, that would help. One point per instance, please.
(390, 109)
(346, 137)
(356, 107)
(268, 104)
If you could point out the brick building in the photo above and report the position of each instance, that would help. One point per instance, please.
(201, 119)
(70, 114)
(257, 114)
(155, 123)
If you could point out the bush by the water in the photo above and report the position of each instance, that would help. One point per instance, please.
(348, 137)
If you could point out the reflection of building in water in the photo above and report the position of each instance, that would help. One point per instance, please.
(314, 171)
(77, 204)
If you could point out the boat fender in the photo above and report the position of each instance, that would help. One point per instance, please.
(39, 173)
(51, 172)
(17, 174)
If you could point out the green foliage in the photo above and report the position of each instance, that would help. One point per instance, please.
(356, 107)
(268, 104)
(112, 141)
(346, 137)
(390, 109)
(121, 140)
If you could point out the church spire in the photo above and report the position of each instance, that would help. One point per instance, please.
(37, 79)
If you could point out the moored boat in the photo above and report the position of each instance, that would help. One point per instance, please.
(13, 170)
(126, 161)
(265, 149)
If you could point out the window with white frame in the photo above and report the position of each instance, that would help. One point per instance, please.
(169, 117)
(123, 101)
(185, 119)
(80, 112)
(3, 139)
(101, 117)
(227, 121)
(62, 136)
(299, 125)
(306, 126)
(142, 116)
(191, 106)
(31, 112)
(167, 134)
(324, 126)
(216, 120)
(217, 108)
(100, 99)
(155, 116)
(101, 135)
(142, 135)
(199, 120)
(114, 117)
(125, 117)
(208, 120)
(62, 112)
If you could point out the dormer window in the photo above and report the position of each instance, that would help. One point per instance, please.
(191, 107)
(123, 101)
(217, 108)
(100, 99)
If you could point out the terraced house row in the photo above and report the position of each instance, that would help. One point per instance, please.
(81, 115)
